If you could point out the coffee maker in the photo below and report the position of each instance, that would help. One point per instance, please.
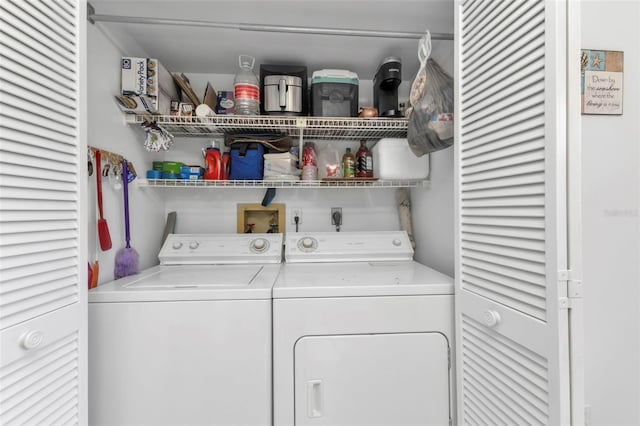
(385, 87)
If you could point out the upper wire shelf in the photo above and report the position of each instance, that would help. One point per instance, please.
(309, 127)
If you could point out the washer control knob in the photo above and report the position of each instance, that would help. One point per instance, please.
(194, 245)
(177, 245)
(307, 244)
(396, 242)
(259, 245)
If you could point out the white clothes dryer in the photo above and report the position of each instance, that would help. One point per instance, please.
(187, 342)
(362, 333)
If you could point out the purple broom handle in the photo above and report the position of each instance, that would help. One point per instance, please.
(125, 181)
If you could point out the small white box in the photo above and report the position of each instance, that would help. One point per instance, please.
(279, 164)
(393, 159)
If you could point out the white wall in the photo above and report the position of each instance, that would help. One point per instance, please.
(107, 130)
(433, 215)
(214, 210)
(611, 226)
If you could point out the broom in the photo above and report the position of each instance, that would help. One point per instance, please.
(126, 258)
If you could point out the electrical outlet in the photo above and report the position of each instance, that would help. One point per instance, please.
(294, 213)
(335, 210)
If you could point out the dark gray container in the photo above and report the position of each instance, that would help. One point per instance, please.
(334, 93)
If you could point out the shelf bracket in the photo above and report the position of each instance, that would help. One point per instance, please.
(301, 123)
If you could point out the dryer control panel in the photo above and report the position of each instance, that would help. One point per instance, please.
(348, 246)
(221, 249)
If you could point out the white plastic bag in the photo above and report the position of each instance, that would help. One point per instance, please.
(329, 162)
(431, 114)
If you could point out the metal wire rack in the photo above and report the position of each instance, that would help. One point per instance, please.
(308, 127)
(204, 184)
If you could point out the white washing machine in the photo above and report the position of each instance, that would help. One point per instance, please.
(187, 342)
(362, 334)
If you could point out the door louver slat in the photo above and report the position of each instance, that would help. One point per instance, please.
(514, 191)
(56, 8)
(492, 239)
(523, 117)
(497, 151)
(31, 128)
(535, 168)
(25, 21)
(508, 183)
(44, 84)
(507, 108)
(507, 159)
(33, 385)
(509, 82)
(501, 355)
(476, 11)
(55, 74)
(505, 281)
(532, 280)
(505, 201)
(28, 147)
(505, 137)
(41, 110)
(29, 283)
(51, 21)
(516, 233)
(490, 259)
(499, 32)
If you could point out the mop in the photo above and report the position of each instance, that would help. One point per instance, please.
(126, 258)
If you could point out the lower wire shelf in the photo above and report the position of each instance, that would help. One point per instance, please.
(182, 183)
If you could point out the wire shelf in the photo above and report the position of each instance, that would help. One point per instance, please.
(204, 184)
(309, 127)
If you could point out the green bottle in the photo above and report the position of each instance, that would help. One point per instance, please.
(349, 164)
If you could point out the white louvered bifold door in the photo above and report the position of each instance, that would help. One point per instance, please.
(42, 250)
(511, 306)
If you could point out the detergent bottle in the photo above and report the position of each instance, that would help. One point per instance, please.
(212, 162)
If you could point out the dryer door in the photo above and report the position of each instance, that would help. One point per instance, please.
(372, 379)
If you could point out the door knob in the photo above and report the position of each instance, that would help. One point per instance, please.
(491, 318)
(31, 339)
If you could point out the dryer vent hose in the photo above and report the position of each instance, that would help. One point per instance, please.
(404, 212)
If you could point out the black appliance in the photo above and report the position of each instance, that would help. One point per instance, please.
(385, 87)
(285, 70)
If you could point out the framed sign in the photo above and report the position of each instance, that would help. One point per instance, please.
(601, 81)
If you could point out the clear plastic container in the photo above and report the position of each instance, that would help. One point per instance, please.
(246, 88)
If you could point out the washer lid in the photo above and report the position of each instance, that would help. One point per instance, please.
(191, 282)
(360, 279)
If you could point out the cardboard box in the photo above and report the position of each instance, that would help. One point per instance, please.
(146, 77)
(136, 104)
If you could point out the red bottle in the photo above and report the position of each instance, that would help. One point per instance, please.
(364, 161)
(212, 163)
(226, 156)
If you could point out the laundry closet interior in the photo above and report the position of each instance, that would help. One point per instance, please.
(211, 55)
